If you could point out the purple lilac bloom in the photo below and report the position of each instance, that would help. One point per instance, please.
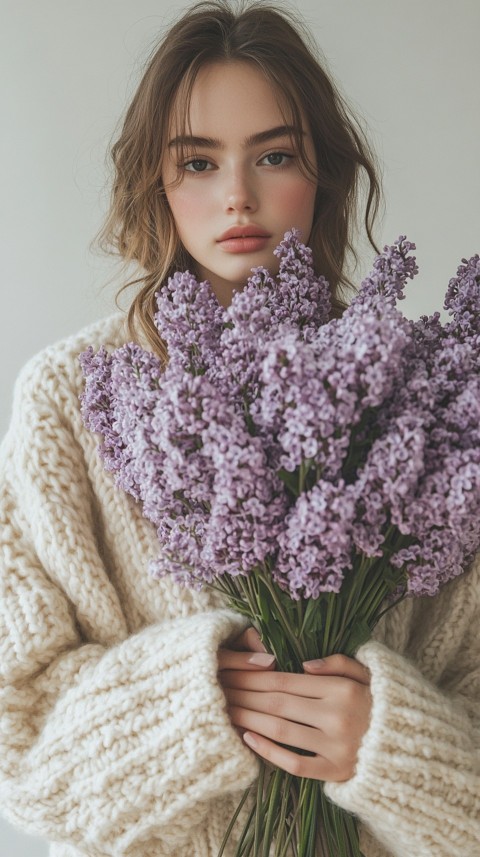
(444, 519)
(313, 394)
(297, 299)
(269, 385)
(135, 384)
(96, 404)
(302, 298)
(462, 300)
(189, 319)
(441, 387)
(249, 503)
(315, 546)
(247, 321)
(387, 484)
(455, 419)
(391, 270)
(182, 412)
(181, 537)
(245, 511)
(120, 393)
(294, 412)
(460, 420)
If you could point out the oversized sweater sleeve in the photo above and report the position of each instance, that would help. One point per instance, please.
(110, 741)
(417, 781)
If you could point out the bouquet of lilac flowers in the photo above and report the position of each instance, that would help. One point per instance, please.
(314, 470)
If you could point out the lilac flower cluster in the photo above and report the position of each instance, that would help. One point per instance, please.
(270, 307)
(189, 319)
(438, 405)
(313, 395)
(388, 279)
(278, 437)
(317, 535)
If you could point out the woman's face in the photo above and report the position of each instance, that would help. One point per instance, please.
(242, 173)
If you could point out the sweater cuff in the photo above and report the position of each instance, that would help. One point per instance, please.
(138, 745)
(415, 785)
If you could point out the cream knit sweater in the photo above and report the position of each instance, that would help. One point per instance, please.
(114, 737)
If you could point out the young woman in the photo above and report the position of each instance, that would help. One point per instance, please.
(130, 707)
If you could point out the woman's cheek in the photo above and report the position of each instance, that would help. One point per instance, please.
(295, 201)
(186, 204)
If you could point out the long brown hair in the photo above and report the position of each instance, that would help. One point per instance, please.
(139, 226)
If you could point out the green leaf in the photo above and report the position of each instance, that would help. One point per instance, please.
(290, 479)
(359, 634)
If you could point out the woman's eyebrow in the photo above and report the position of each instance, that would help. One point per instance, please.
(253, 140)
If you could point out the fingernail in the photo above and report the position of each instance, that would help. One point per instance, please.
(250, 739)
(316, 664)
(261, 659)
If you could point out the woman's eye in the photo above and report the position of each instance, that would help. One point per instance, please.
(277, 159)
(198, 165)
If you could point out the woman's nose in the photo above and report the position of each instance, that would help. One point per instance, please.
(240, 194)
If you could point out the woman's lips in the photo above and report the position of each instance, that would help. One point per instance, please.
(246, 238)
(247, 244)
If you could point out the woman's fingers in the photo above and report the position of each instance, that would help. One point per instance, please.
(338, 665)
(313, 767)
(298, 684)
(250, 661)
(281, 705)
(323, 714)
(331, 759)
(340, 717)
(246, 652)
(249, 640)
(324, 711)
(276, 729)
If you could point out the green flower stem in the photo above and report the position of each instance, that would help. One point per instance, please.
(285, 801)
(233, 821)
(329, 847)
(393, 604)
(299, 609)
(259, 815)
(292, 814)
(246, 837)
(286, 625)
(328, 623)
(272, 806)
(356, 580)
(293, 826)
(309, 820)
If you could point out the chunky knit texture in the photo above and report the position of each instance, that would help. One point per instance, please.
(114, 737)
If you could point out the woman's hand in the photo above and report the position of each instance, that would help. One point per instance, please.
(243, 654)
(325, 710)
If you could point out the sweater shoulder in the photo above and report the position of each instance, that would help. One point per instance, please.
(58, 363)
(49, 385)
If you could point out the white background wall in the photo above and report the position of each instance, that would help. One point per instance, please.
(66, 71)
